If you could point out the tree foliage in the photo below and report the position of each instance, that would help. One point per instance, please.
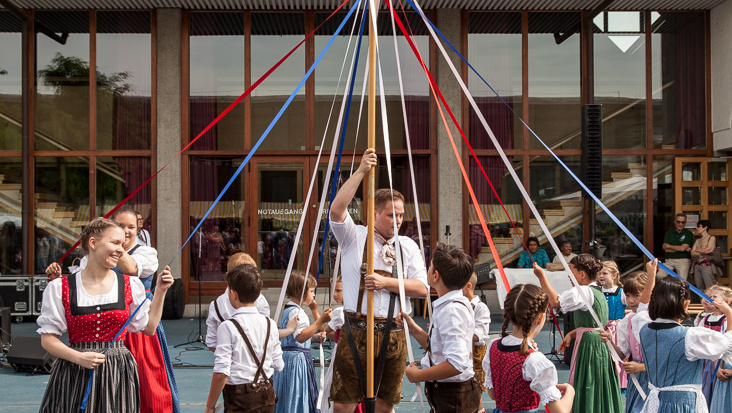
(64, 72)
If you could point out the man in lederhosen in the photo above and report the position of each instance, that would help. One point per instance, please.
(348, 376)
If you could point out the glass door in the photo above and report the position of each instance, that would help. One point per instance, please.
(279, 188)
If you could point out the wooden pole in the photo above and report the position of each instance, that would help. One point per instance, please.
(370, 211)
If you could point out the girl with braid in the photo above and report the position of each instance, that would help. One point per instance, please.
(523, 378)
(592, 371)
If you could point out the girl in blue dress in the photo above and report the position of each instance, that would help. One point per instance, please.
(295, 386)
(609, 281)
(721, 400)
(673, 353)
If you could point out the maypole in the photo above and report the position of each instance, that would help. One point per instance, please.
(370, 399)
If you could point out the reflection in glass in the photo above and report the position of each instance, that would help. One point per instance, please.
(620, 78)
(718, 219)
(717, 195)
(279, 210)
(722, 244)
(679, 80)
(717, 171)
(222, 234)
(62, 97)
(416, 88)
(664, 207)
(273, 36)
(217, 79)
(124, 88)
(62, 202)
(116, 178)
(626, 198)
(690, 196)
(554, 81)
(10, 83)
(11, 223)
(691, 171)
(504, 236)
(494, 47)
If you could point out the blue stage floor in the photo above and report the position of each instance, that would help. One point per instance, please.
(193, 366)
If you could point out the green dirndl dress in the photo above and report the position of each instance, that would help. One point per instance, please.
(595, 381)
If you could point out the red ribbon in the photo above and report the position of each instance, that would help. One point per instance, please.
(210, 125)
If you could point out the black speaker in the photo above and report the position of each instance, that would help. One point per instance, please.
(27, 354)
(591, 168)
(175, 301)
(4, 326)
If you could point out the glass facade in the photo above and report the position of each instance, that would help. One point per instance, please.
(93, 137)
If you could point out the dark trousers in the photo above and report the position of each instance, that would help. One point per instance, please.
(445, 397)
(250, 398)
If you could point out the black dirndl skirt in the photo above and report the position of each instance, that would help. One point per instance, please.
(115, 385)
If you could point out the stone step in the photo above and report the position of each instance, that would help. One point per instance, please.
(554, 212)
(571, 203)
(621, 175)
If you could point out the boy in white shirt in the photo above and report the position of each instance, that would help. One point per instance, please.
(482, 317)
(449, 345)
(221, 309)
(248, 351)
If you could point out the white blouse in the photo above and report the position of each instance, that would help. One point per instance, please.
(537, 369)
(570, 300)
(700, 344)
(303, 321)
(53, 317)
(146, 259)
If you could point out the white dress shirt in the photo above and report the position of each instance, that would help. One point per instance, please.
(700, 344)
(143, 238)
(303, 320)
(232, 355)
(226, 310)
(537, 369)
(556, 259)
(146, 259)
(53, 315)
(451, 337)
(352, 238)
(482, 321)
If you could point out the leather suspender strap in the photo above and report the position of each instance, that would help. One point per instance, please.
(218, 313)
(429, 337)
(354, 354)
(258, 362)
(381, 360)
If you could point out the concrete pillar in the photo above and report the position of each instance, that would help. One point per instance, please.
(721, 34)
(449, 178)
(169, 211)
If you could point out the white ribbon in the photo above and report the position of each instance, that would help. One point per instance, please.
(519, 184)
(280, 301)
(652, 403)
(387, 148)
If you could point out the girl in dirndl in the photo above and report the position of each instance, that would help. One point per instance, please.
(674, 354)
(296, 386)
(592, 370)
(609, 281)
(93, 305)
(715, 321)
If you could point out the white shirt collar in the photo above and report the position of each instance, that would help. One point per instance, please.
(450, 296)
(475, 300)
(246, 310)
(665, 321)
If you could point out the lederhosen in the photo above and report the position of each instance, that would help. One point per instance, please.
(463, 396)
(257, 396)
(380, 324)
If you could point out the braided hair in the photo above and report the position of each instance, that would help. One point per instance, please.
(95, 229)
(523, 305)
(667, 300)
(587, 263)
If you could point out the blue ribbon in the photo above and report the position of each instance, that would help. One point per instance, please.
(231, 181)
(334, 185)
(627, 232)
